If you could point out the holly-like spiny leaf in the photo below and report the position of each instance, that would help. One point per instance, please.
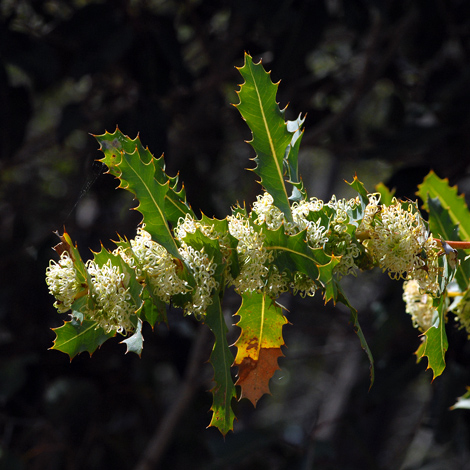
(463, 402)
(440, 223)
(228, 241)
(259, 344)
(75, 337)
(291, 160)
(271, 138)
(357, 214)
(354, 319)
(435, 187)
(435, 344)
(139, 178)
(291, 252)
(221, 359)
(116, 144)
(449, 218)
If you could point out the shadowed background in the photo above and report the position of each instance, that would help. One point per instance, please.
(385, 85)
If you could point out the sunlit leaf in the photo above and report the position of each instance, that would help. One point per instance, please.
(75, 337)
(455, 208)
(357, 214)
(221, 359)
(259, 344)
(435, 344)
(139, 178)
(271, 137)
(115, 145)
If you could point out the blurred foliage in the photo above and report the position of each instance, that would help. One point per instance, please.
(385, 88)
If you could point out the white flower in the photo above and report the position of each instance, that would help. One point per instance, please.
(203, 270)
(316, 232)
(398, 242)
(63, 283)
(371, 209)
(190, 225)
(267, 212)
(462, 312)
(110, 291)
(340, 242)
(155, 261)
(252, 254)
(418, 305)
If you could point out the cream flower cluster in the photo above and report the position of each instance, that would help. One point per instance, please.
(110, 291)
(399, 242)
(62, 281)
(203, 270)
(462, 312)
(267, 212)
(189, 225)
(154, 261)
(253, 255)
(316, 232)
(394, 237)
(332, 236)
(418, 305)
(340, 241)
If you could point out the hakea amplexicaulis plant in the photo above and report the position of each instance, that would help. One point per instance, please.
(286, 242)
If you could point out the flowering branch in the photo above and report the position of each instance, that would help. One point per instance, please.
(283, 243)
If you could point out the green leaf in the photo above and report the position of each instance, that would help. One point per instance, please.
(292, 152)
(259, 344)
(154, 309)
(440, 223)
(75, 337)
(435, 342)
(326, 277)
(116, 144)
(66, 244)
(357, 214)
(135, 343)
(139, 178)
(292, 252)
(386, 195)
(354, 319)
(451, 206)
(230, 242)
(221, 359)
(292, 160)
(271, 138)
(434, 187)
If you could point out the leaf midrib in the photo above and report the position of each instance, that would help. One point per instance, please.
(268, 132)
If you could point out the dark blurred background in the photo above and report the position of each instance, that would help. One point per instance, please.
(386, 88)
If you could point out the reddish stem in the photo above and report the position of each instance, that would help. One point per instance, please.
(457, 245)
